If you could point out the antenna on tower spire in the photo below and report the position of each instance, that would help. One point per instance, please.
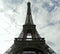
(29, 16)
(28, 10)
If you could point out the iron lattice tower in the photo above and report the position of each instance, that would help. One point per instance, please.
(29, 41)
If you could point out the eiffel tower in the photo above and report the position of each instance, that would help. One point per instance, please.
(29, 41)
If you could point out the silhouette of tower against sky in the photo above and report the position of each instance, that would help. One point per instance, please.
(29, 41)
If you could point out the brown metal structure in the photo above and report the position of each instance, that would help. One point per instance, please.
(29, 41)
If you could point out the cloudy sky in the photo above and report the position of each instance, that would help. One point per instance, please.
(45, 14)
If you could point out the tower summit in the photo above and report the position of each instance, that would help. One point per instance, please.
(29, 41)
(29, 9)
(29, 16)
